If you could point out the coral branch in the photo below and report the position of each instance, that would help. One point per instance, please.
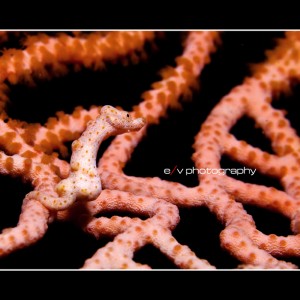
(31, 227)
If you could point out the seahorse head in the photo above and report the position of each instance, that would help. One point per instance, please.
(121, 120)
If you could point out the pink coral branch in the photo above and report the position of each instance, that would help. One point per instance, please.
(32, 226)
(135, 233)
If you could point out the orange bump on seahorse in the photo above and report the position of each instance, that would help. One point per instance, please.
(83, 182)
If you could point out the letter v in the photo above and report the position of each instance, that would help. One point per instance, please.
(180, 171)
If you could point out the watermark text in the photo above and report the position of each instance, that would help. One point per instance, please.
(213, 171)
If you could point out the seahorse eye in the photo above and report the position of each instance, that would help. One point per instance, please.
(127, 115)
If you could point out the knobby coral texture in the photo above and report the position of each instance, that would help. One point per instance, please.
(198, 165)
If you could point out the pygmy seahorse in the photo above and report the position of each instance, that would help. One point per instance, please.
(83, 182)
